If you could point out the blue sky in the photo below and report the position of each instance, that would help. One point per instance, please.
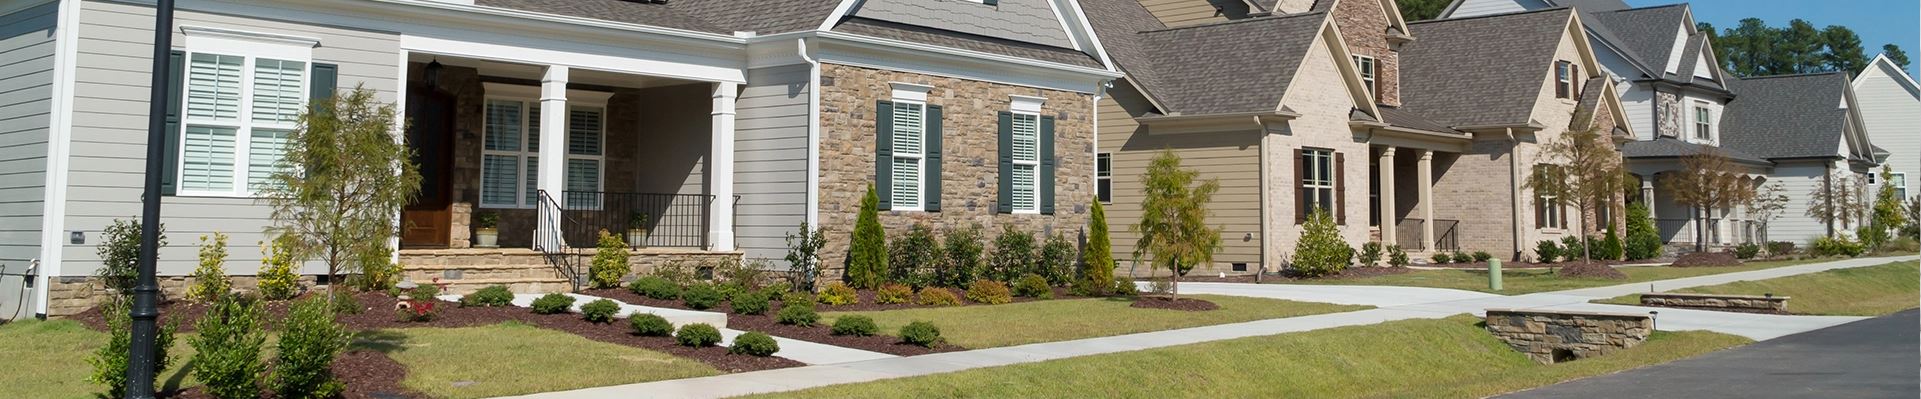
(1877, 21)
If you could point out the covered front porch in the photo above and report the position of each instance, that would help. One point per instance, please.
(1403, 168)
(1680, 224)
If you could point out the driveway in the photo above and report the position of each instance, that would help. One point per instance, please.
(1874, 358)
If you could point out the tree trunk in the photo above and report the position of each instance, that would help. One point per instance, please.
(1174, 287)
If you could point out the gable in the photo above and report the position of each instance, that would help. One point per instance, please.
(1321, 84)
(1030, 21)
(1702, 67)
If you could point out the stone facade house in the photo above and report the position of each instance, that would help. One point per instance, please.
(693, 129)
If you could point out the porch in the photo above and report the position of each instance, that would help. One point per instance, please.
(1680, 224)
(1401, 202)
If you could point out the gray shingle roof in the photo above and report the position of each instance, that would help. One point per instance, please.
(757, 16)
(1665, 147)
(1646, 35)
(1030, 21)
(1408, 119)
(1119, 23)
(937, 37)
(1787, 116)
(1225, 67)
(1480, 70)
(661, 15)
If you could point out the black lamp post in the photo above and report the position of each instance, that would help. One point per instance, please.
(146, 293)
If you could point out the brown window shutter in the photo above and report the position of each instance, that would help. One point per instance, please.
(1560, 71)
(1340, 190)
(1574, 80)
(1300, 186)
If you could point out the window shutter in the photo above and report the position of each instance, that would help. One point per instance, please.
(1574, 80)
(930, 174)
(884, 153)
(1340, 190)
(1300, 186)
(1560, 73)
(1004, 200)
(325, 78)
(1540, 204)
(169, 157)
(1046, 180)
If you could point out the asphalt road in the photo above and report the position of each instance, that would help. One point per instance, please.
(1874, 358)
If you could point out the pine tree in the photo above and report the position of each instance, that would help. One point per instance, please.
(1644, 242)
(867, 256)
(1895, 54)
(1099, 255)
(1844, 50)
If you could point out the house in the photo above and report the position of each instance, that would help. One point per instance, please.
(717, 125)
(1811, 128)
(1889, 98)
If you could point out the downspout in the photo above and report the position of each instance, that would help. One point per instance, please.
(1267, 210)
(1514, 189)
(813, 134)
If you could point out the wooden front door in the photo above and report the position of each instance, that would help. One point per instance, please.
(427, 222)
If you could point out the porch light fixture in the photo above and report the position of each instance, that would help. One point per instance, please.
(431, 74)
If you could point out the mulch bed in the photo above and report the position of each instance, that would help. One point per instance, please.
(1590, 270)
(1169, 303)
(823, 333)
(866, 301)
(1707, 259)
(1505, 265)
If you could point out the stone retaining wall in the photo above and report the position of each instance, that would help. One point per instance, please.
(70, 295)
(1735, 303)
(1552, 337)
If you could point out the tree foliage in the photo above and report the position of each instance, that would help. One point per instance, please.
(867, 255)
(1099, 254)
(1895, 54)
(1839, 199)
(1587, 174)
(1887, 214)
(1643, 240)
(1421, 10)
(342, 181)
(1753, 48)
(1707, 180)
(1173, 226)
(119, 253)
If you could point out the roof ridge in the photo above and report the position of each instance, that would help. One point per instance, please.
(1235, 21)
(1648, 7)
(1792, 75)
(1497, 15)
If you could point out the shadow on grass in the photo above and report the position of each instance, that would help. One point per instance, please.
(383, 341)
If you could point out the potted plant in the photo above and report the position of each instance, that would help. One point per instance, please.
(486, 231)
(637, 230)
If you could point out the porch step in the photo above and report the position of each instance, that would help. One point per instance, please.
(517, 285)
(450, 273)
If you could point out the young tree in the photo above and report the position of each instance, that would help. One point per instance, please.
(803, 255)
(1173, 227)
(1768, 202)
(1913, 211)
(1643, 241)
(1837, 200)
(343, 180)
(1099, 254)
(1707, 181)
(119, 253)
(867, 255)
(1887, 211)
(1587, 174)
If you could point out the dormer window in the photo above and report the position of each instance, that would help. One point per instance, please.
(1703, 122)
(1366, 66)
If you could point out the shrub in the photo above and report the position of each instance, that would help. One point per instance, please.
(1482, 256)
(1643, 241)
(304, 356)
(964, 263)
(491, 296)
(1033, 286)
(1546, 251)
(110, 361)
(867, 255)
(676, 271)
(1779, 248)
(425, 292)
(1441, 258)
(920, 333)
(1370, 253)
(798, 315)
(934, 296)
(555, 303)
(750, 303)
(378, 272)
(210, 279)
(700, 296)
(1463, 257)
(610, 262)
(799, 298)
(912, 257)
(277, 278)
(227, 350)
(1832, 246)
(1013, 254)
(1747, 250)
(989, 292)
(856, 325)
(1572, 249)
(803, 255)
(600, 311)
(649, 324)
(1609, 247)
(1396, 256)
(119, 254)
(1321, 252)
(1902, 244)
(893, 293)
(346, 303)
(837, 294)
(1057, 260)
(748, 275)
(754, 343)
(655, 287)
(1124, 288)
(729, 290)
(697, 335)
(1098, 256)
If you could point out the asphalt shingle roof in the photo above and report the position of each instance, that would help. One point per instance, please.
(760, 16)
(920, 34)
(1666, 147)
(661, 15)
(1409, 119)
(1483, 70)
(1225, 67)
(1787, 116)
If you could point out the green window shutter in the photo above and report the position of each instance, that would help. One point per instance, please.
(931, 144)
(884, 153)
(1045, 182)
(1004, 200)
(170, 173)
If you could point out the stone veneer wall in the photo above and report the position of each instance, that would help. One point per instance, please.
(1546, 336)
(1364, 25)
(1737, 303)
(1667, 111)
(970, 168)
(69, 295)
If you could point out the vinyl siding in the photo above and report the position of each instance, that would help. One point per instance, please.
(26, 101)
(1889, 107)
(109, 135)
(1469, 8)
(1798, 180)
(770, 159)
(1231, 157)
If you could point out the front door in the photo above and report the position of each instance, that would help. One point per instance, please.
(427, 222)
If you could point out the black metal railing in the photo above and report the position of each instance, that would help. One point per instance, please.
(639, 219)
(1447, 237)
(1675, 230)
(550, 242)
(1409, 233)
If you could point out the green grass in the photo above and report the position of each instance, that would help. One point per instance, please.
(1437, 358)
(48, 359)
(1529, 281)
(1047, 321)
(513, 358)
(1865, 291)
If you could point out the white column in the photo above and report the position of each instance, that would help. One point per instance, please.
(1647, 193)
(720, 170)
(1388, 236)
(1424, 184)
(551, 175)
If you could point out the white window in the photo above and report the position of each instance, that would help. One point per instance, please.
(1318, 179)
(1104, 177)
(1563, 79)
(1027, 162)
(237, 115)
(1550, 207)
(510, 150)
(1703, 122)
(1900, 182)
(910, 129)
(1367, 67)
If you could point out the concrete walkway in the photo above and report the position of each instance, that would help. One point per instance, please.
(1395, 303)
(801, 351)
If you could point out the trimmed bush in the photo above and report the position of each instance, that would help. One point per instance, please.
(1610, 247)
(649, 324)
(304, 356)
(893, 294)
(1396, 256)
(935, 296)
(754, 343)
(799, 298)
(491, 296)
(697, 335)
(1546, 251)
(963, 263)
(1320, 251)
(700, 296)
(1463, 257)
(837, 294)
(110, 361)
(1779, 248)
(1482, 256)
(859, 326)
(1833, 246)
(610, 262)
(801, 315)
(1747, 250)
(655, 287)
(989, 292)
(555, 303)
(1441, 258)
(210, 279)
(729, 290)
(913, 258)
(920, 333)
(1370, 254)
(1572, 249)
(1643, 241)
(600, 311)
(1125, 288)
(1013, 254)
(750, 303)
(424, 292)
(1033, 286)
(1057, 260)
(228, 348)
(277, 278)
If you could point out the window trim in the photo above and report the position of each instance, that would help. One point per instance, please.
(1703, 124)
(1034, 189)
(1900, 182)
(243, 123)
(1104, 177)
(1311, 159)
(919, 156)
(1369, 75)
(528, 98)
(1564, 80)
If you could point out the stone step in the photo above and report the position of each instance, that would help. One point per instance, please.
(517, 285)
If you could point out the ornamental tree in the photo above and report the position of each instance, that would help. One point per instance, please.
(1587, 174)
(1098, 255)
(342, 181)
(1837, 200)
(1707, 180)
(867, 255)
(1173, 226)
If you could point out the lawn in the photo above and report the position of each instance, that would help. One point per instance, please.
(987, 326)
(1440, 358)
(1530, 281)
(48, 359)
(1864, 291)
(513, 358)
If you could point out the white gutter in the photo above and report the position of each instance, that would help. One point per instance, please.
(570, 20)
(813, 134)
(848, 37)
